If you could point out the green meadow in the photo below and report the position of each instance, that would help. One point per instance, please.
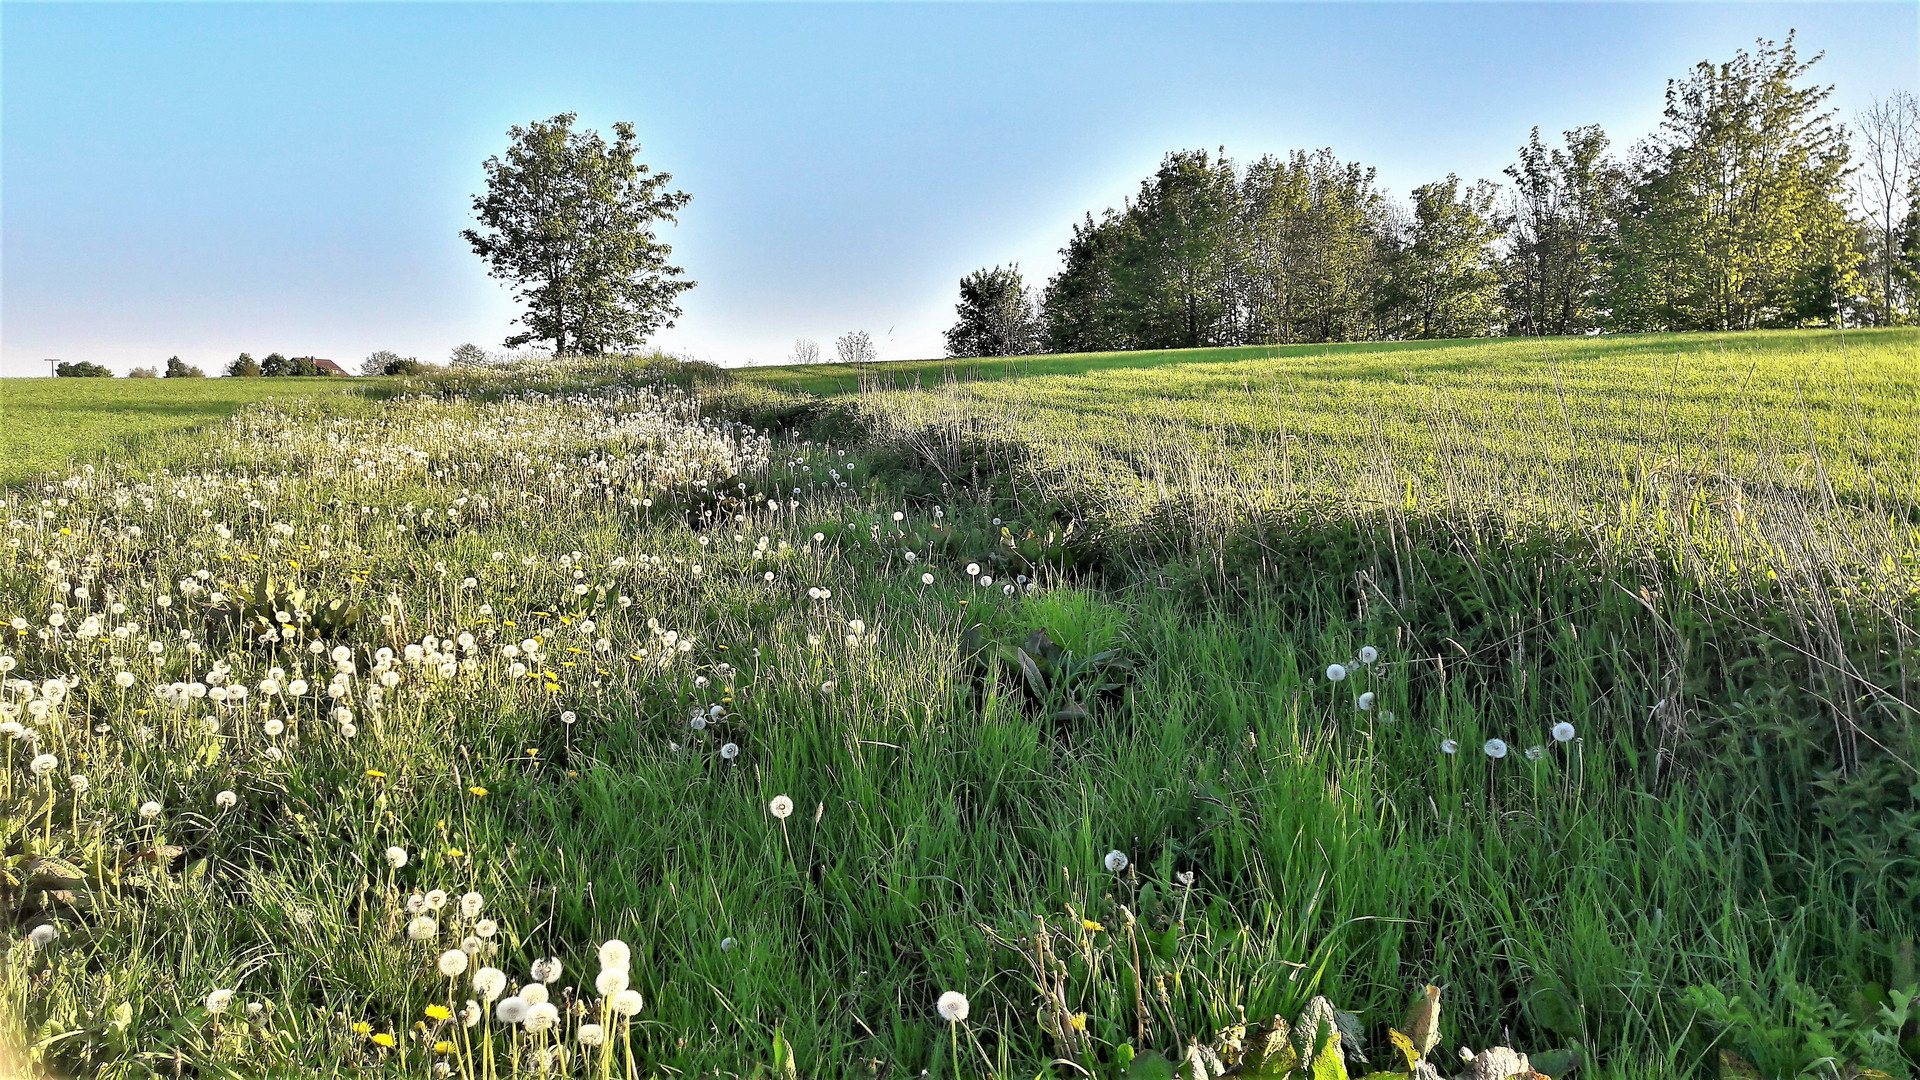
(1139, 698)
(50, 422)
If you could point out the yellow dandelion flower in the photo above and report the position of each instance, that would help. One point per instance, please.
(363, 1028)
(508, 622)
(1078, 1021)
(376, 774)
(477, 791)
(383, 1039)
(443, 1047)
(438, 1012)
(533, 751)
(455, 853)
(1091, 926)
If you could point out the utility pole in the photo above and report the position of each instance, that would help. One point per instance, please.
(53, 367)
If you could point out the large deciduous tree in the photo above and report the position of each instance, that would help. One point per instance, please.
(1442, 276)
(1737, 218)
(1887, 188)
(1564, 205)
(995, 315)
(568, 219)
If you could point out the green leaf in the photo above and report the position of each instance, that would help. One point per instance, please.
(1149, 1065)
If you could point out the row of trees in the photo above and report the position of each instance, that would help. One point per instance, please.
(1747, 209)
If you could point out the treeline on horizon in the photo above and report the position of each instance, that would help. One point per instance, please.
(1735, 215)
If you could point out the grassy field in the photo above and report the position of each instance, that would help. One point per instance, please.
(743, 672)
(52, 422)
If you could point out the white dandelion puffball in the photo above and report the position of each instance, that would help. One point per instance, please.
(953, 1006)
(396, 857)
(218, 1001)
(534, 993)
(1449, 746)
(489, 982)
(123, 680)
(730, 751)
(548, 970)
(150, 809)
(1365, 702)
(610, 981)
(627, 1002)
(926, 579)
(615, 954)
(591, 1035)
(1563, 732)
(512, 1010)
(1495, 748)
(80, 783)
(1116, 861)
(274, 726)
(44, 764)
(416, 904)
(1535, 753)
(542, 1017)
(728, 944)
(1336, 672)
(470, 904)
(422, 928)
(453, 963)
(1368, 654)
(436, 899)
(226, 800)
(973, 568)
(485, 927)
(43, 935)
(781, 807)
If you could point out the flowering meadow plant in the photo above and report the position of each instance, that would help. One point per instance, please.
(564, 719)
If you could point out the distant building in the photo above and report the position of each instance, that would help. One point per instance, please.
(325, 367)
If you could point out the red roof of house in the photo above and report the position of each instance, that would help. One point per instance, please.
(328, 367)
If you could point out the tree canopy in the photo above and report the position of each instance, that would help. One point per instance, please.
(996, 315)
(568, 219)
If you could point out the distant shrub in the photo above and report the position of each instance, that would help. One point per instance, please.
(180, 369)
(406, 365)
(468, 356)
(144, 373)
(856, 347)
(244, 366)
(82, 369)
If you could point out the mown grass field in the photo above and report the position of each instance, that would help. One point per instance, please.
(50, 422)
(733, 678)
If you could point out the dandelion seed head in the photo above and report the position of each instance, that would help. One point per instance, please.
(1116, 861)
(953, 1006)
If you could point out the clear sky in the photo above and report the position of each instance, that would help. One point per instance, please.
(205, 179)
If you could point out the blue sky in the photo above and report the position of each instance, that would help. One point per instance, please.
(205, 179)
